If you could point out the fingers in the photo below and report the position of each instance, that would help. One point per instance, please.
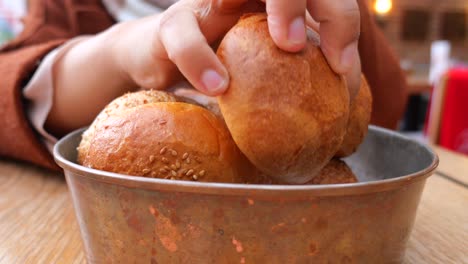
(353, 79)
(338, 23)
(286, 23)
(310, 22)
(184, 36)
(187, 47)
(339, 31)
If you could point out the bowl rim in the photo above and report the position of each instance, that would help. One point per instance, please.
(239, 189)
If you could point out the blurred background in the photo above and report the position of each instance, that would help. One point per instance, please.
(430, 37)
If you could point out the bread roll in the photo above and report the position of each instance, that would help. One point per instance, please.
(359, 118)
(335, 172)
(120, 104)
(171, 140)
(287, 112)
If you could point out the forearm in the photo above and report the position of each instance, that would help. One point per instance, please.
(85, 78)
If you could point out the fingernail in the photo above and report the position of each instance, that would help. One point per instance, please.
(213, 81)
(348, 56)
(297, 31)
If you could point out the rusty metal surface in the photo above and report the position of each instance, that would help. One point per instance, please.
(139, 220)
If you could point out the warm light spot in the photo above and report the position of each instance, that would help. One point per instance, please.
(382, 7)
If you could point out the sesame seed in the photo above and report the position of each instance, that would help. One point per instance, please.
(163, 150)
(165, 160)
(174, 173)
(163, 170)
(172, 178)
(151, 158)
(173, 167)
(195, 177)
(187, 161)
(183, 171)
(177, 164)
(174, 153)
(145, 171)
(167, 168)
(185, 156)
(202, 173)
(189, 172)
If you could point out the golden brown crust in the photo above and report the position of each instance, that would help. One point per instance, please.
(169, 140)
(121, 103)
(359, 118)
(286, 112)
(335, 172)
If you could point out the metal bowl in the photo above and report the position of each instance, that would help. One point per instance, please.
(128, 219)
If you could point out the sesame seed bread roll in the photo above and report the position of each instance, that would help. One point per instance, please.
(359, 119)
(287, 112)
(119, 104)
(170, 140)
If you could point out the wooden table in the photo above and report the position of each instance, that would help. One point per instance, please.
(37, 222)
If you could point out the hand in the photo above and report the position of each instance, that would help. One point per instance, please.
(155, 48)
(153, 52)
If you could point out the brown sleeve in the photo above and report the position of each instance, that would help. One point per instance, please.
(48, 24)
(382, 70)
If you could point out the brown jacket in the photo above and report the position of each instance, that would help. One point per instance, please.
(51, 22)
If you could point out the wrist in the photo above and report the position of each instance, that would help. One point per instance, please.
(85, 74)
(111, 43)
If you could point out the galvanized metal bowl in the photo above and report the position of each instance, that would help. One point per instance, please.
(128, 219)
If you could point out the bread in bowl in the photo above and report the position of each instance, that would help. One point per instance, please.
(359, 118)
(120, 104)
(287, 112)
(335, 172)
(171, 140)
